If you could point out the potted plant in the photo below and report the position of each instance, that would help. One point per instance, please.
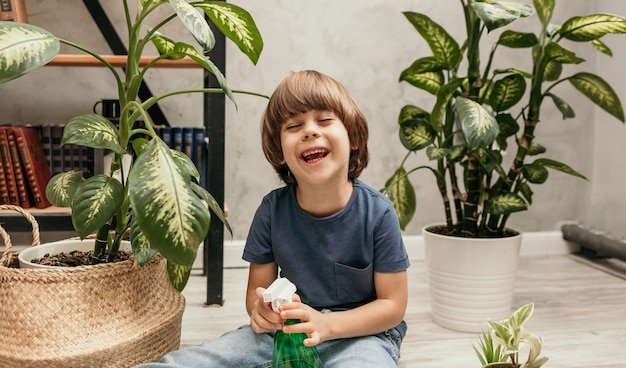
(154, 202)
(478, 114)
(500, 347)
(156, 199)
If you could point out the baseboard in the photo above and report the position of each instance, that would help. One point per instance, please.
(541, 243)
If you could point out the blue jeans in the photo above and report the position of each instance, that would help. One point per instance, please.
(244, 348)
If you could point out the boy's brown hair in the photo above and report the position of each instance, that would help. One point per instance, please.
(309, 90)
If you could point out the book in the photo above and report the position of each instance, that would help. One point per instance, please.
(4, 190)
(177, 139)
(35, 164)
(13, 10)
(5, 154)
(166, 135)
(46, 142)
(200, 153)
(18, 172)
(56, 135)
(188, 141)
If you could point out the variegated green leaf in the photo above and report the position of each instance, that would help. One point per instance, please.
(479, 127)
(507, 92)
(501, 334)
(416, 134)
(166, 46)
(443, 46)
(92, 130)
(95, 201)
(61, 187)
(592, 27)
(24, 48)
(535, 148)
(535, 173)
(600, 92)
(516, 8)
(429, 81)
(170, 214)
(559, 166)
(179, 275)
(534, 344)
(563, 106)
(545, 9)
(142, 250)
(507, 124)
(515, 39)
(424, 65)
(557, 53)
(185, 163)
(493, 16)
(444, 95)
(552, 71)
(527, 193)
(400, 191)
(437, 153)
(457, 152)
(504, 204)
(602, 47)
(521, 316)
(236, 24)
(195, 23)
(409, 112)
(213, 205)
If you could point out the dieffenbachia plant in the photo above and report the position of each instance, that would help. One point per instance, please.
(486, 110)
(156, 199)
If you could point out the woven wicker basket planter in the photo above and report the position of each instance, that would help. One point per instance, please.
(107, 315)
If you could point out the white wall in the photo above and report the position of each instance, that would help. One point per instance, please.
(607, 202)
(365, 44)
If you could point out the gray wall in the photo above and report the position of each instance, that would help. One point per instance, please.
(365, 44)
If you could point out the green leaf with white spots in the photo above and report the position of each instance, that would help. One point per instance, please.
(94, 202)
(61, 188)
(24, 48)
(195, 23)
(92, 130)
(179, 275)
(400, 191)
(600, 92)
(479, 127)
(169, 213)
(236, 24)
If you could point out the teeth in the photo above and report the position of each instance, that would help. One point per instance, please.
(314, 152)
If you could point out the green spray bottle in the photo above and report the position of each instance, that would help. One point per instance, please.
(289, 349)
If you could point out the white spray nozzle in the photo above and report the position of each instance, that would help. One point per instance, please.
(279, 292)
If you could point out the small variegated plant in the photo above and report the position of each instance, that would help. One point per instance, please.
(156, 199)
(501, 346)
(480, 112)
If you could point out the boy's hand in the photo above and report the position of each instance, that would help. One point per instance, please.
(311, 323)
(263, 318)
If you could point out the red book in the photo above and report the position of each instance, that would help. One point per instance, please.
(5, 155)
(4, 190)
(20, 180)
(35, 163)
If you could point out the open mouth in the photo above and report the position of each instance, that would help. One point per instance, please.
(314, 156)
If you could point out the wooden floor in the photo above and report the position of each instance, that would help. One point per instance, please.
(580, 313)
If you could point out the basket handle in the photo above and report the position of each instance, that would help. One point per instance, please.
(7, 255)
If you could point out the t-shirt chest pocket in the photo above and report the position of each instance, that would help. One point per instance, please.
(354, 284)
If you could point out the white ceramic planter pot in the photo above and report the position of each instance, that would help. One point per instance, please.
(57, 247)
(470, 280)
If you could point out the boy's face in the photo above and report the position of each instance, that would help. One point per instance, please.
(316, 147)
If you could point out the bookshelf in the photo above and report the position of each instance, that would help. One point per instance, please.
(59, 219)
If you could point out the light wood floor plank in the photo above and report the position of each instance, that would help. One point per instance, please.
(580, 313)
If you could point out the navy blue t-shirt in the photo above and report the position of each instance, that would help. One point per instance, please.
(331, 260)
